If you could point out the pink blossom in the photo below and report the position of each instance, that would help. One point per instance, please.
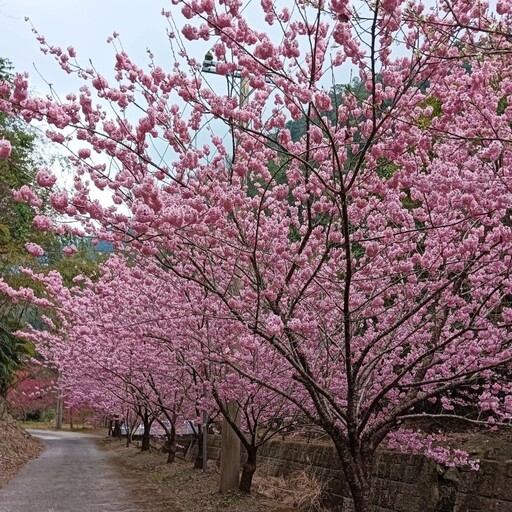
(59, 201)
(25, 193)
(45, 178)
(42, 223)
(503, 7)
(5, 148)
(359, 263)
(100, 83)
(34, 249)
(69, 250)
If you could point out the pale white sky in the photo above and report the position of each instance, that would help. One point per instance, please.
(85, 25)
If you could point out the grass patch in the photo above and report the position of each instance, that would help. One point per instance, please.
(231, 499)
(161, 478)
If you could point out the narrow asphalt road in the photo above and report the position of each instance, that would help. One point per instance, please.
(72, 475)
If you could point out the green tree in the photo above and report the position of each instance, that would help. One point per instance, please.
(16, 229)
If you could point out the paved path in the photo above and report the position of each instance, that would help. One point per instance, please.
(72, 475)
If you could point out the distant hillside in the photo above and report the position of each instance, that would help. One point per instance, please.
(104, 247)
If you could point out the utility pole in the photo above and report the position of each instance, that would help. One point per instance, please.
(205, 430)
(59, 411)
(230, 443)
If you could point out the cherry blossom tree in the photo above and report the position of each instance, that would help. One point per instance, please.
(99, 346)
(371, 256)
(254, 411)
(33, 392)
(115, 336)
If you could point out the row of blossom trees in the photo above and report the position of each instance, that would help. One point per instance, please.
(119, 351)
(358, 273)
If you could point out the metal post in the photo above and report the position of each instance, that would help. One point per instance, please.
(230, 451)
(230, 444)
(244, 92)
(59, 411)
(205, 441)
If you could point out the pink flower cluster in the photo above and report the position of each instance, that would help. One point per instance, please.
(59, 201)
(45, 178)
(360, 267)
(70, 250)
(34, 249)
(25, 193)
(5, 148)
(84, 153)
(42, 223)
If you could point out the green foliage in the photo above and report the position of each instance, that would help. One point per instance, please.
(297, 128)
(83, 262)
(15, 226)
(437, 110)
(16, 171)
(386, 168)
(48, 416)
(13, 352)
(356, 88)
(502, 105)
(16, 229)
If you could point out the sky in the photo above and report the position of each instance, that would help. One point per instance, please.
(85, 25)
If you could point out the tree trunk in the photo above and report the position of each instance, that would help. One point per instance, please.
(171, 445)
(171, 454)
(117, 429)
(248, 470)
(198, 462)
(60, 404)
(362, 499)
(230, 450)
(357, 467)
(145, 446)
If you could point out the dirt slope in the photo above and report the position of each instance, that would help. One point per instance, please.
(16, 446)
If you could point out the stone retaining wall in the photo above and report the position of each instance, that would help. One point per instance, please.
(403, 483)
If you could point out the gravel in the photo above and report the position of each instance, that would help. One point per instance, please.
(188, 489)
